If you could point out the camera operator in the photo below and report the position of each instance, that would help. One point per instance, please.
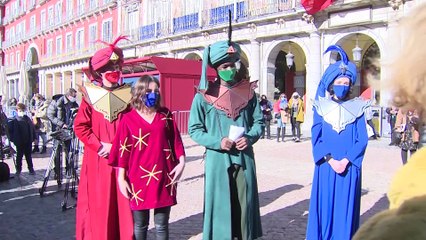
(59, 113)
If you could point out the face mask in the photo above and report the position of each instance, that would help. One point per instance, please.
(21, 114)
(283, 98)
(227, 74)
(150, 99)
(112, 77)
(71, 99)
(340, 91)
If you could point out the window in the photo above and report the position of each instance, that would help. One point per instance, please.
(32, 4)
(80, 7)
(70, 7)
(7, 14)
(23, 6)
(49, 48)
(131, 22)
(58, 12)
(43, 19)
(12, 59)
(68, 43)
(18, 58)
(93, 35)
(79, 39)
(33, 24)
(58, 46)
(93, 4)
(107, 31)
(50, 16)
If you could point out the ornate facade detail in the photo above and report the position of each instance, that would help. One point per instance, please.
(395, 4)
(307, 18)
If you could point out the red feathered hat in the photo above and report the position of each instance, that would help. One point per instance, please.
(109, 55)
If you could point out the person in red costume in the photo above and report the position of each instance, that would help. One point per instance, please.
(102, 212)
(150, 156)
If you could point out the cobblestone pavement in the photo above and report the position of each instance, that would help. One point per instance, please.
(284, 177)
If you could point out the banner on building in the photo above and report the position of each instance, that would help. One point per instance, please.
(314, 6)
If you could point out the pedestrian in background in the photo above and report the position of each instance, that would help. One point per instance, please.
(281, 115)
(150, 157)
(392, 112)
(407, 124)
(22, 134)
(297, 115)
(338, 145)
(266, 107)
(41, 122)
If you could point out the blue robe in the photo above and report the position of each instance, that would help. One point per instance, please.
(334, 209)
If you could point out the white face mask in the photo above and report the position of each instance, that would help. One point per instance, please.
(21, 114)
(72, 99)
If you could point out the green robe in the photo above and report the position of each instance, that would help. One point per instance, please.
(207, 127)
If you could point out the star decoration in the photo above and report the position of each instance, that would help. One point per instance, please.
(135, 195)
(172, 184)
(124, 146)
(150, 174)
(169, 153)
(140, 139)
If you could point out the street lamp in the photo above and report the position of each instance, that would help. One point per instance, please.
(289, 58)
(356, 51)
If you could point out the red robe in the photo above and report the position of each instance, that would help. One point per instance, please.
(149, 152)
(102, 211)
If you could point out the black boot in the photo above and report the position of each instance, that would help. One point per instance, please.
(278, 134)
(35, 149)
(283, 134)
(43, 150)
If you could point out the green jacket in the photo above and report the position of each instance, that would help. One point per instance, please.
(207, 127)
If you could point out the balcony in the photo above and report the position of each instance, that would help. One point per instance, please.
(242, 11)
(185, 23)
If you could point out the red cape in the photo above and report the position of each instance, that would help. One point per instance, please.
(102, 211)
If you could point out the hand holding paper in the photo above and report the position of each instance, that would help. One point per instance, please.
(235, 132)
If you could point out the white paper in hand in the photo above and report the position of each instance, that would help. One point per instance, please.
(235, 132)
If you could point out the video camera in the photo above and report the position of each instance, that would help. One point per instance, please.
(62, 135)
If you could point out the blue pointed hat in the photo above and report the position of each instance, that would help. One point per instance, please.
(342, 68)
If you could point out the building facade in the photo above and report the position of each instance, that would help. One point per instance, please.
(51, 40)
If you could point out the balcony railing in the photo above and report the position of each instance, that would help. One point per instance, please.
(241, 11)
(185, 23)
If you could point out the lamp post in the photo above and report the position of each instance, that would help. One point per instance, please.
(289, 58)
(357, 51)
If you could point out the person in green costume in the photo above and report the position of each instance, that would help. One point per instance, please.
(231, 201)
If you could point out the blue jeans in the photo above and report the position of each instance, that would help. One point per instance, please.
(161, 221)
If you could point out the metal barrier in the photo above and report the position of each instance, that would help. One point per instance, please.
(181, 118)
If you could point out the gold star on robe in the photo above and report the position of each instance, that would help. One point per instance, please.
(140, 139)
(172, 184)
(150, 174)
(135, 195)
(124, 146)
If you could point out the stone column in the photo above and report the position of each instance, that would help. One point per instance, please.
(313, 76)
(255, 63)
(73, 85)
(63, 80)
(54, 83)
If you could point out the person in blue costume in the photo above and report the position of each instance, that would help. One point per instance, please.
(339, 141)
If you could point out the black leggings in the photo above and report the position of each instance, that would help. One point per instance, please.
(161, 221)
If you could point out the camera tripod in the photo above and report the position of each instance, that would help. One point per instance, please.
(59, 139)
(71, 175)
